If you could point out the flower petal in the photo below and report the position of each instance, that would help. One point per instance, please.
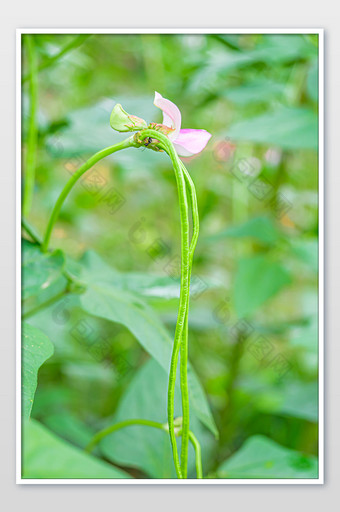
(189, 142)
(171, 114)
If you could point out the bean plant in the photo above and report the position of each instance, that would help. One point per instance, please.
(245, 404)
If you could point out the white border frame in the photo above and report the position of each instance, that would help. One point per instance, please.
(69, 481)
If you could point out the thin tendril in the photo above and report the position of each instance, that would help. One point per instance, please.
(129, 142)
(117, 426)
(148, 423)
(198, 454)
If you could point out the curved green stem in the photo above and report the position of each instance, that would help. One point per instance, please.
(148, 423)
(32, 136)
(194, 208)
(182, 310)
(185, 394)
(117, 426)
(198, 454)
(31, 231)
(129, 142)
(46, 304)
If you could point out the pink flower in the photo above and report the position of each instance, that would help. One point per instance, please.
(186, 141)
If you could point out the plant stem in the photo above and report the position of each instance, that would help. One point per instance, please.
(182, 310)
(194, 208)
(46, 304)
(184, 342)
(148, 423)
(113, 428)
(129, 142)
(31, 231)
(180, 344)
(198, 454)
(32, 136)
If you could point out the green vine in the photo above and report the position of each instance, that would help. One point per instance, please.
(127, 143)
(186, 194)
(148, 423)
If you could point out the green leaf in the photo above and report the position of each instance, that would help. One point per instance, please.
(147, 285)
(36, 348)
(106, 299)
(122, 307)
(69, 427)
(260, 457)
(287, 127)
(255, 91)
(41, 273)
(116, 305)
(151, 286)
(257, 280)
(144, 447)
(47, 456)
(258, 228)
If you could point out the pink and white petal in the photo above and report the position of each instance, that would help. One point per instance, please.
(190, 142)
(171, 114)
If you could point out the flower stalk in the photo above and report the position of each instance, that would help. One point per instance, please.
(158, 137)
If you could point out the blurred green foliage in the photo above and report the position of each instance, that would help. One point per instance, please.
(253, 323)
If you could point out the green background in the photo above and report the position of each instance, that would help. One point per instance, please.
(253, 319)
